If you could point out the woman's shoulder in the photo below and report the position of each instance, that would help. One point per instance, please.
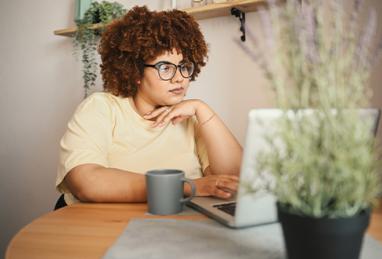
(102, 98)
(107, 104)
(97, 102)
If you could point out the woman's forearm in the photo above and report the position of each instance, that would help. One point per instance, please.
(224, 152)
(94, 183)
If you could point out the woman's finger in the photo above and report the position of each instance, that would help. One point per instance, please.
(164, 118)
(156, 112)
(230, 186)
(221, 194)
(159, 121)
(171, 115)
(230, 177)
(178, 119)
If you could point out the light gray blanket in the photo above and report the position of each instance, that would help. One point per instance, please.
(167, 238)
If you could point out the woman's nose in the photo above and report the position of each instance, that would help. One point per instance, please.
(178, 76)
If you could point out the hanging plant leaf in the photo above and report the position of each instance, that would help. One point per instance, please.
(86, 39)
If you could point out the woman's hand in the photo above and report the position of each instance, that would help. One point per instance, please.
(220, 186)
(175, 113)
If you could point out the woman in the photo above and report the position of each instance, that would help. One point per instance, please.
(141, 121)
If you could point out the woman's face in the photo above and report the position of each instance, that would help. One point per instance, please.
(157, 92)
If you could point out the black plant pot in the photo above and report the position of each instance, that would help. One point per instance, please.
(323, 238)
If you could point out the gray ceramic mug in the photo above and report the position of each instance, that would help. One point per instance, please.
(165, 191)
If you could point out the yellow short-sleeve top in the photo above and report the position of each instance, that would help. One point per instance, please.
(106, 130)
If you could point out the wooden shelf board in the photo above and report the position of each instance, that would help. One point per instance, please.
(223, 9)
(69, 32)
(200, 13)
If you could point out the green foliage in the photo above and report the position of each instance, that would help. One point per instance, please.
(318, 56)
(326, 166)
(86, 39)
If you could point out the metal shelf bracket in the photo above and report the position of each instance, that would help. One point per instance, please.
(241, 15)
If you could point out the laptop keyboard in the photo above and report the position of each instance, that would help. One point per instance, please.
(227, 207)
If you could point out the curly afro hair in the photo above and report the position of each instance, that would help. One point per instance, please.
(142, 35)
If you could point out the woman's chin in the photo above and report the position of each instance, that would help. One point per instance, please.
(173, 100)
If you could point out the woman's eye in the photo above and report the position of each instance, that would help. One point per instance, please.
(164, 68)
(185, 67)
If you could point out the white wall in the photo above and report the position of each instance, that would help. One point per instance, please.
(38, 91)
(40, 86)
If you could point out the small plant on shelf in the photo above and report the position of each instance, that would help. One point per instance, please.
(86, 37)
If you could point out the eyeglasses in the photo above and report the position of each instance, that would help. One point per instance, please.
(167, 70)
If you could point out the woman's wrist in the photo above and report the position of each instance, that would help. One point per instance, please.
(202, 111)
(187, 190)
(198, 105)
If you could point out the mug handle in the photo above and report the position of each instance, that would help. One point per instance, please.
(193, 190)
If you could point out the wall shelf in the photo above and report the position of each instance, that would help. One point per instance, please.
(200, 13)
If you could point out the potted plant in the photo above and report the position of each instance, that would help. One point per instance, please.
(322, 168)
(86, 38)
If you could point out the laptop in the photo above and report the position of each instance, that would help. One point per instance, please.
(249, 209)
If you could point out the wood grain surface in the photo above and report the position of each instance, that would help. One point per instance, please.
(88, 230)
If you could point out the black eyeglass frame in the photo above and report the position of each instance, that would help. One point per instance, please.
(158, 64)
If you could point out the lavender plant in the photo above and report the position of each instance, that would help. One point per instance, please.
(318, 55)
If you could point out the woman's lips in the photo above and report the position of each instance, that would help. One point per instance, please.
(177, 91)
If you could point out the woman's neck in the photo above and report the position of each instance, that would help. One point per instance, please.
(142, 106)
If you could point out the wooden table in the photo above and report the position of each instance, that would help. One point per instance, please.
(77, 231)
(88, 230)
